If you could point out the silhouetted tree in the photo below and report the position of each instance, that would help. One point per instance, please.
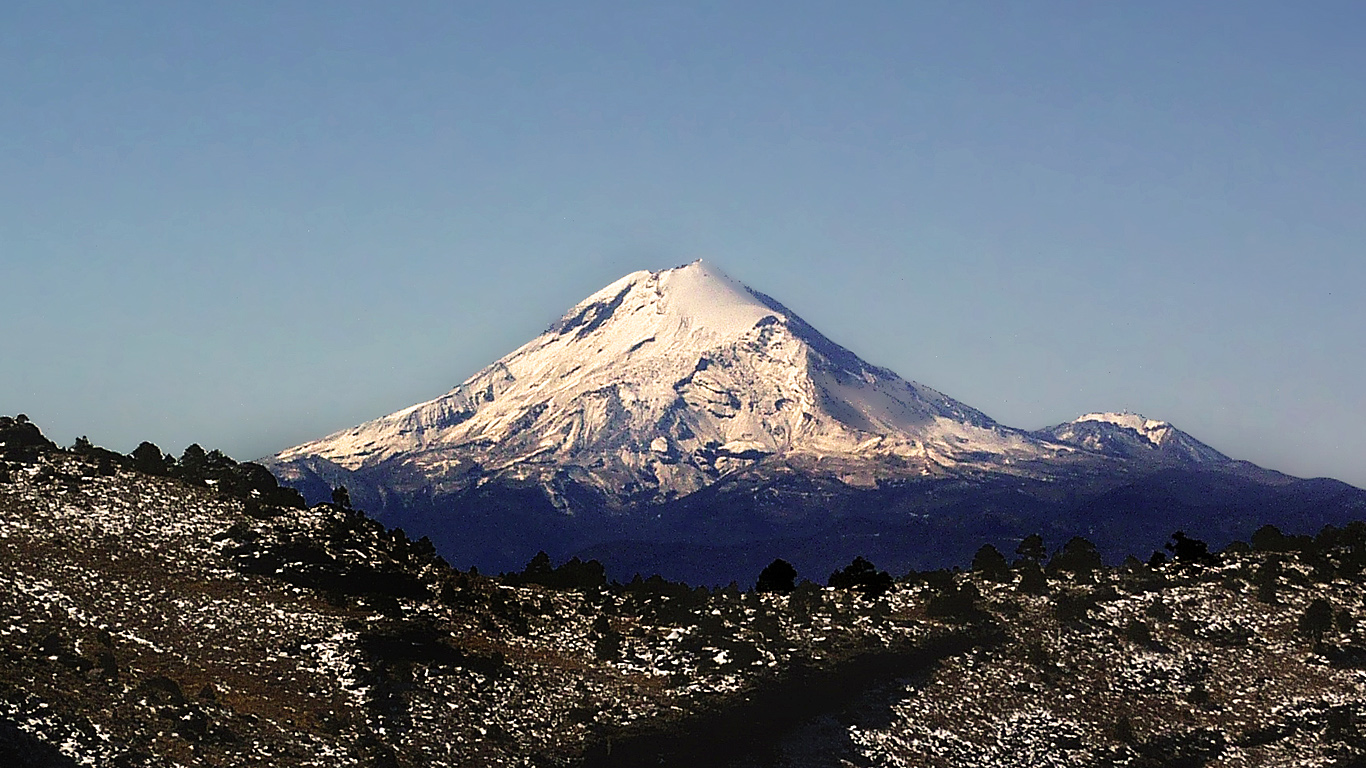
(21, 440)
(1032, 579)
(1317, 620)
(106, 459)
(1184, 549)
(861, 576)
(1078, 557)
(580, 575)
(991, 564)
(148, 459)
(218, 461)
(538, 570)
(778, 576)
(1031, 548)
(1269, 538)
(958, 602)
(1267, 580)
(341, 497)
(575, 574)
(194, 463)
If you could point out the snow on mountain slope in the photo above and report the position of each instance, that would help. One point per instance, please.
(1130, 435)
(660, 383)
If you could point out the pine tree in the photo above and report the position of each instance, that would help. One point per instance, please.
(991, 564)
(779, 576)
(341, 497)
(1031, 548)
(148, 459)
(1078, 557)
(1032, 579)
(194, 463)
(861, 576)
(1184, 549)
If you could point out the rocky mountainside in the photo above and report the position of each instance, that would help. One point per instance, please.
(159, 614)
(681, 421)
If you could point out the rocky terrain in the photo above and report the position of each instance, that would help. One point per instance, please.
(186, 613)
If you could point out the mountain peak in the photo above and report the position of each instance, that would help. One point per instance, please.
(1149, 428)
(1132, 435)
(678, 414)
(661, 383)
(696, 300)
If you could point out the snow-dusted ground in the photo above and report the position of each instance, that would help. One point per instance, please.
(127, 633)
(1221, 679)
(130, 631)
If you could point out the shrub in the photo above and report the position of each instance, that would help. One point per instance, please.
(956, 603)
(1138, 632)
(1345, 621)
(607, 641)
(806, 600)
(1123, 730)
(1073, 607)
(1317, 620)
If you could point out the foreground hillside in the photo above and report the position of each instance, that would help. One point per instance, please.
(147, 619)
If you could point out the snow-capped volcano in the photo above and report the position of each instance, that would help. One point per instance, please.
(660, 383)
(682, 423)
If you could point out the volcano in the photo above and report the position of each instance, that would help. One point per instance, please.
(679, 421)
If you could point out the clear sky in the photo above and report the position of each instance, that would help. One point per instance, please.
(251, 224)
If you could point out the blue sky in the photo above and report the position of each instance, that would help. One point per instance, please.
(249, 224)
